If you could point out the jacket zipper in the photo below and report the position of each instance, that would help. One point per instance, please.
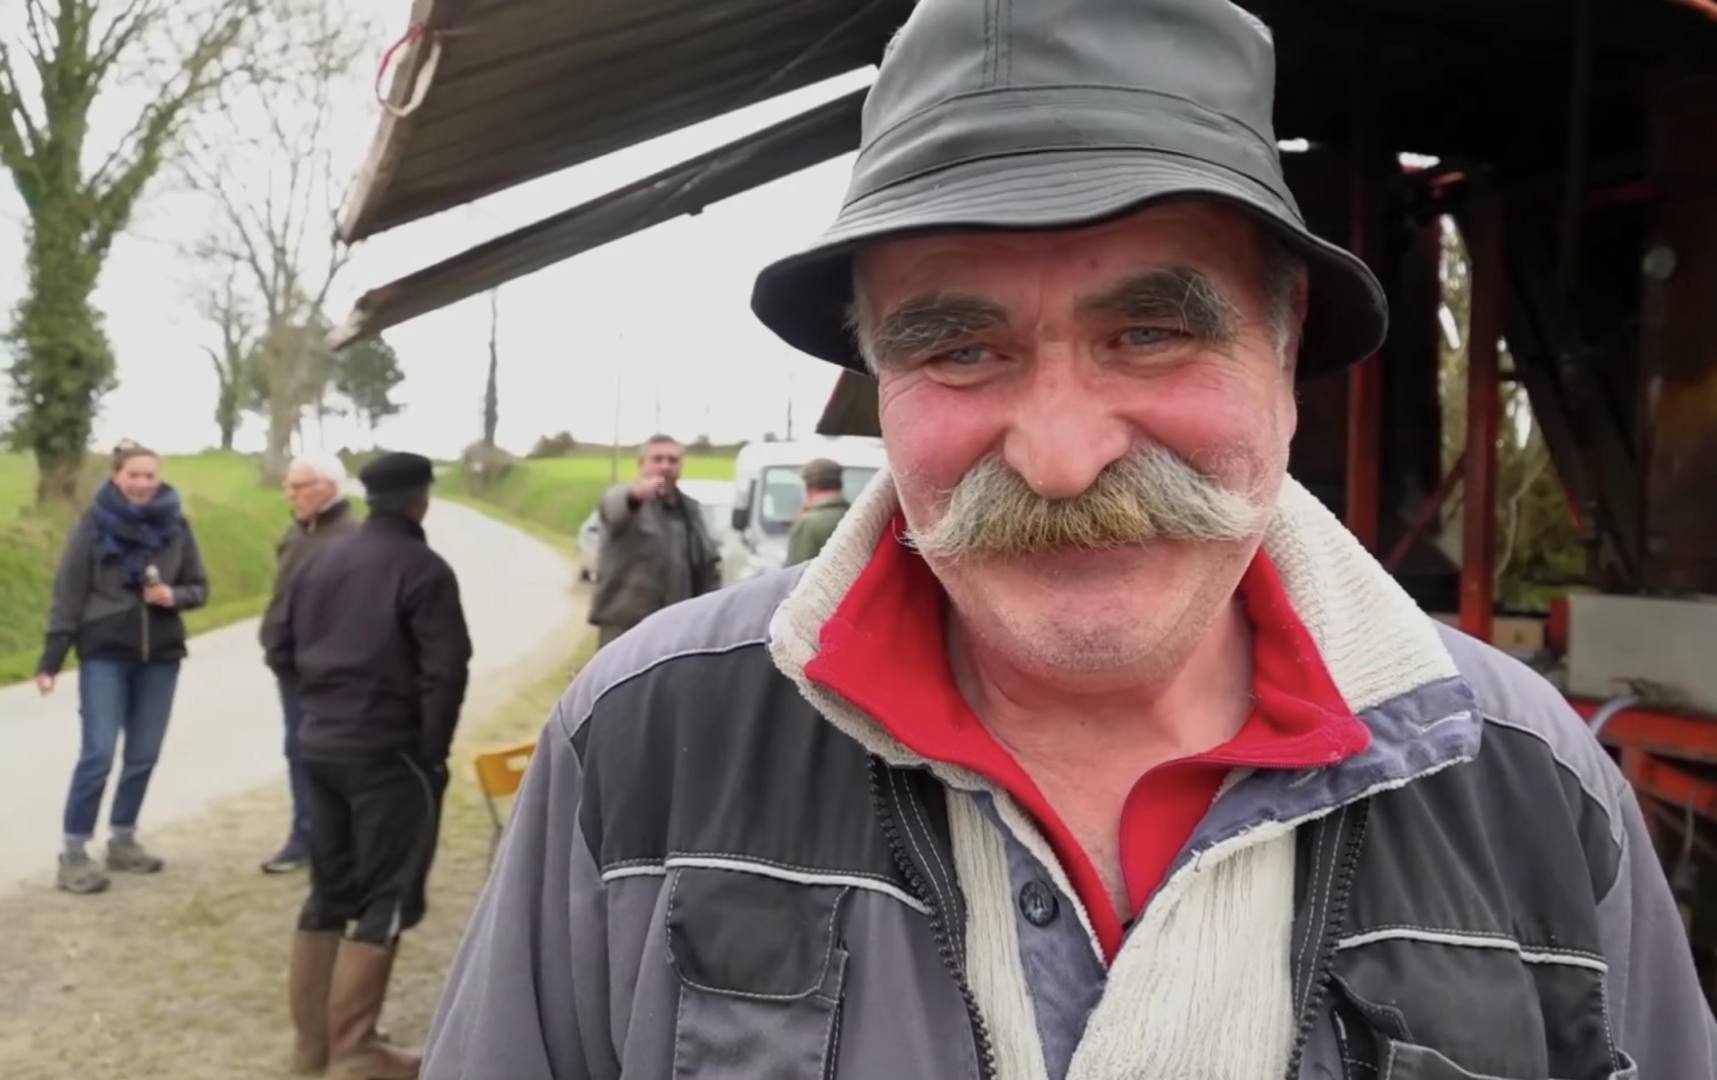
(1325, 963)
(938, 922)
(143, 612)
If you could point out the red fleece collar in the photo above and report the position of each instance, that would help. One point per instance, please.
(883, 651)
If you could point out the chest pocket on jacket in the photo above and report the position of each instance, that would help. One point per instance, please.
(1404, 1061)
(761, 970)
(1390, 1033)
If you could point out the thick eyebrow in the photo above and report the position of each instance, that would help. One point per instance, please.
(935, 320)
(1177, 293)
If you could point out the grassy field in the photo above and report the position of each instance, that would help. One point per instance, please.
(236, 520)
(559, 493)
(184, 975)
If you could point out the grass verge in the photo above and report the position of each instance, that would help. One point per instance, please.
(557, 494)
(235, 518)
(184, 975)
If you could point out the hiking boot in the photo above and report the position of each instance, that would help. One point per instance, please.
(79, 874)
(293, 855)
(312, 973)
(126, 855)
(356, 1050)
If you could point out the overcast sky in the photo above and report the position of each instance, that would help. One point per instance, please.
(662, 313)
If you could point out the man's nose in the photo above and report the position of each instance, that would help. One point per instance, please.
(1063, 432)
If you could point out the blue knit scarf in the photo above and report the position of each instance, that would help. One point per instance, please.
(132, 535)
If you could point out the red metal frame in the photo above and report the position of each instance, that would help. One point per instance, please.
(1427, 515)
(1364, 445)
(1364, 379)
(1655, 731)
(1484, 418)
(1658, 778)
(1648, 739)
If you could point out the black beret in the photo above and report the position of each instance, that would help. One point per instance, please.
(397, 472)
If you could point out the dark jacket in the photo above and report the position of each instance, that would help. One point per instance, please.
(813, 527)
(716, 868)
(294, 546)
(634, 572)
(104, 618)
(374, 638)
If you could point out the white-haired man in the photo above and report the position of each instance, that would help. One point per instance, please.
(315, 491)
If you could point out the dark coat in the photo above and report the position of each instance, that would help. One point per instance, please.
(96, 610)
(373, 636)
(294, 546)
(638, 544)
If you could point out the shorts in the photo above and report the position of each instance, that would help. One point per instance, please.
(374, 823)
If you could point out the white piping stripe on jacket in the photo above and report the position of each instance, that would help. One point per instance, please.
(768, 870)
(1468, 940)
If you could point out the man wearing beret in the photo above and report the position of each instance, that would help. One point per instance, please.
(374, 637)
(1091, 747)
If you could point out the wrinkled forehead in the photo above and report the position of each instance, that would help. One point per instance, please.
(303, 475)
(1219, 240)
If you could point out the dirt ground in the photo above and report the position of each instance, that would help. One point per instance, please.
(183, 974)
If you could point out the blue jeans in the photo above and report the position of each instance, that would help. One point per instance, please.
(292, 713)
(117, 696)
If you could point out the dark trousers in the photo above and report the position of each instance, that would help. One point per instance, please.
(292, 715)
(118, 697)
(373, 827)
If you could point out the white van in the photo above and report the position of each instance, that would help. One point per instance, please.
(768, 493)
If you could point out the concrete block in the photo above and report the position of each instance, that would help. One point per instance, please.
(1615, 642)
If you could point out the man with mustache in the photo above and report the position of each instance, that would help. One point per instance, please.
(1092, 746)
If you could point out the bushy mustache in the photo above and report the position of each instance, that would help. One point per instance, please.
(1151, 494)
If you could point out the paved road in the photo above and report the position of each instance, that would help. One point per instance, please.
(520, 597)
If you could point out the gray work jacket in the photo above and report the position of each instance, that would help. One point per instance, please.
(716, 870)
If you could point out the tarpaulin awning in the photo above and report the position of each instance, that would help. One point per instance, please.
(487, 94)
(801, 141)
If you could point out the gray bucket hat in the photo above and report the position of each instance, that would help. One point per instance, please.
(1047, 114)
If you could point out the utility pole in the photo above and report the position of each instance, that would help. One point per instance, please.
(614, 450)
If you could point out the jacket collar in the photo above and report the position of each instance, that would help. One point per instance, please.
(1381, 650)
(329, 514)
(395, 524)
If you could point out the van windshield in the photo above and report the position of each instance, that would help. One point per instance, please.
(784, 493)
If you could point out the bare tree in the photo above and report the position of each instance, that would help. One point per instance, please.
(234, 360)
(169, 56)
(274, 170)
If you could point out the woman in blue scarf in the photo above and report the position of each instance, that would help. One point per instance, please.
(130, 567)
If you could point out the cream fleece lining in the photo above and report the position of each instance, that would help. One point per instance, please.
(1201, 989)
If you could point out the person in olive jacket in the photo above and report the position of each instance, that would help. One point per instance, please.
(130, 568)
(825, 506)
